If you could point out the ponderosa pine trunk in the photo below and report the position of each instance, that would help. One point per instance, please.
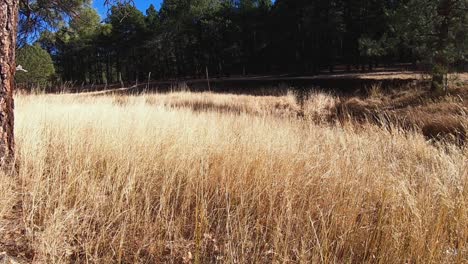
(8, 31)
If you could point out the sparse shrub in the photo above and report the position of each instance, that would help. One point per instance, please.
(301, 95)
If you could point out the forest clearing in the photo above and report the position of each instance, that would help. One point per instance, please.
(190, 177)
(234, 131)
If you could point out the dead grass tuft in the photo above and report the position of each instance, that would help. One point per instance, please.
(356, 110)
(412, 110)
(445, 128)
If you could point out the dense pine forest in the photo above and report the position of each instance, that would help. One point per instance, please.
(241, 37)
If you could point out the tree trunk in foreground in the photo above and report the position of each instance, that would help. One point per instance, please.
(8, 30)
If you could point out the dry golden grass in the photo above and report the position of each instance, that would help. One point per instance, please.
(413, 109)
(133, 180)
(454, 78)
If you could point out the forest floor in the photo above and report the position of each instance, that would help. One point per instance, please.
(277, 85)
(203, 177)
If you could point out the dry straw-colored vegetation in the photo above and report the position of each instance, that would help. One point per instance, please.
(206, 178)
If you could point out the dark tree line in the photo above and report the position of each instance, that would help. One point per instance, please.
(186, 38)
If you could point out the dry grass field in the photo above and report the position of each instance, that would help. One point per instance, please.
(210, 178)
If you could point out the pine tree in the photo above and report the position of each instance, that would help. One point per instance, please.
(38, 65)
(432, 29)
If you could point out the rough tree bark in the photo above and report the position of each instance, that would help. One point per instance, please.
(8, 31)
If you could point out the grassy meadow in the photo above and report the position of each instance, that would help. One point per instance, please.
(210, 178)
